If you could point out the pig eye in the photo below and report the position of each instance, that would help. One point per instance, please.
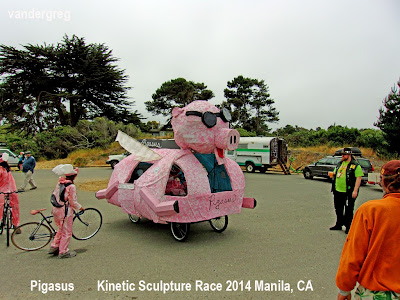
(210, 119)
(225, 115)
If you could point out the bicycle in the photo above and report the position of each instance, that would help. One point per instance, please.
(7, 215)
(36, 235)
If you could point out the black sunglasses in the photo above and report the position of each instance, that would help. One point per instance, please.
(210, 119)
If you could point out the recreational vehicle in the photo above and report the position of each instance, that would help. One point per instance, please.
(260, 153)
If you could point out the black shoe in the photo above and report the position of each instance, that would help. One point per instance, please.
(336, 227)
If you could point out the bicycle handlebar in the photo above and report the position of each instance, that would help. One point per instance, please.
(9, 193)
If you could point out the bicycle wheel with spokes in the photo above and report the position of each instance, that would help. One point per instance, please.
(8, 225)
(219, 224)
(33, 236)
(180, 231)
(134, 218)
(86, 224)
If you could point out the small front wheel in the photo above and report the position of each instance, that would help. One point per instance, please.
(8, 225)
(134, 218)
(86, 224)
(33, 236)
(180, 231)
(219, 224)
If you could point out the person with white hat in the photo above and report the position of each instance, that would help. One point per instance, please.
(66, 197)
(7, 184)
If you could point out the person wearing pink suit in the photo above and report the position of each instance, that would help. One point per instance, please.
(7, 184)
(63, 216)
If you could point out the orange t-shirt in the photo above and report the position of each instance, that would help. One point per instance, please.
(371, 253)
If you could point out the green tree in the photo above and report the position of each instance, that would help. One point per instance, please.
(44, 86)
(176, 92)
(250, 103)
(389, 120)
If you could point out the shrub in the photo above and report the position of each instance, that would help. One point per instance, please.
(81, 162)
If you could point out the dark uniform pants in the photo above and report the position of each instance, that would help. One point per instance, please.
(344, 208)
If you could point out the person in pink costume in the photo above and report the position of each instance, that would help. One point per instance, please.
(63, 216)
(7, 184)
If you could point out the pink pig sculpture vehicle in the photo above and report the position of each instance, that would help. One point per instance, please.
(182, 186)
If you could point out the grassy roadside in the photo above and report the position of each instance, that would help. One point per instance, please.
(300, 157)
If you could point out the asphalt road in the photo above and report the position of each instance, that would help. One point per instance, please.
(284, 243)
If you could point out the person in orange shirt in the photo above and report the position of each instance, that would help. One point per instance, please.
(371, 253)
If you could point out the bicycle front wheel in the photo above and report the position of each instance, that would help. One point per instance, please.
(33, 236)
(8, 225)
(86, 224)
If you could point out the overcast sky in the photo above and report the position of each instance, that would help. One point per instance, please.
(325, 61)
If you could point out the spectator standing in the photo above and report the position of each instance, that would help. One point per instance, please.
(345, 184)
(28, 168)
(21, 161)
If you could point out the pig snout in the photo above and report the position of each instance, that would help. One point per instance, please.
(227, 139)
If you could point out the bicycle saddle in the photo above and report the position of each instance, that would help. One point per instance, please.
(36, 211)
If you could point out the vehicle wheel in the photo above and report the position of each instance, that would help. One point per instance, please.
(134, 218)
(33, 236)
(263, 169)
(250, 167)
(113, 163)
(8, 225)
(86, 224)
(307, 174)
(219, 224)
(180, 231)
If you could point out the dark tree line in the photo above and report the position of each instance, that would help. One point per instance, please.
(389, 121)
(44, 86)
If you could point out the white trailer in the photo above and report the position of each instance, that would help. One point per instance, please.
(260, 153)
(373, 178)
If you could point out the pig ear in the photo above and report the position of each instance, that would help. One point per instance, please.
(176, 111)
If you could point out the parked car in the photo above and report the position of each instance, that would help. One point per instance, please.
(12, 159)
(112, 160)
(327, 164)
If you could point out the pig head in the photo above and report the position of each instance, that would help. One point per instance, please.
(202, 127)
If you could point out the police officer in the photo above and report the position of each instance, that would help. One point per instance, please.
(345, 184)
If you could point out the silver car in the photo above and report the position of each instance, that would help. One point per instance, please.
(12, 159)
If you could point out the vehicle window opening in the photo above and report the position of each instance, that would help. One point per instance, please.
(217, 175)
(176, 184)
(139, 171)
